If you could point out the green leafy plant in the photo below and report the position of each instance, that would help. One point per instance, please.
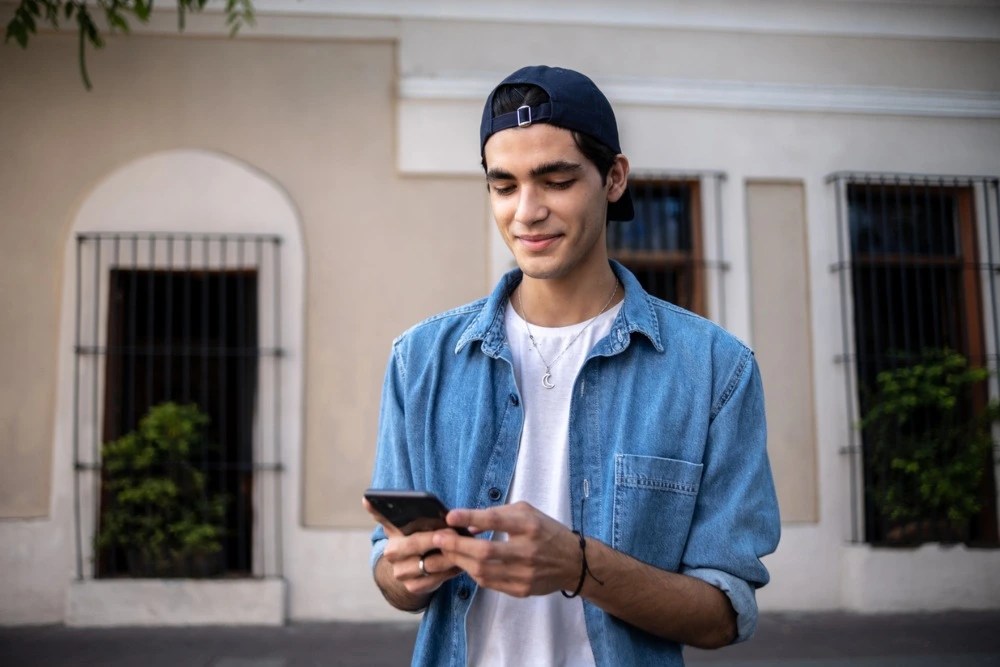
(159, 511)
(928, 447)
(30, 13)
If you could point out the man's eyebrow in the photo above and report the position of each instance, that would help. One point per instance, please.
(558, 166)
(495, 174)
(555, 167)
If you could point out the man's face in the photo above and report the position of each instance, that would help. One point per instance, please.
(549, 201)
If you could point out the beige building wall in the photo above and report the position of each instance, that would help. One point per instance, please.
(782, 334)
(382, 250)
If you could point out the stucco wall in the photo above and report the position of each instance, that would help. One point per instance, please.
(782, 340)
(382, 251)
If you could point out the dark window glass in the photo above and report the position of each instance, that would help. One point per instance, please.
(662, 245)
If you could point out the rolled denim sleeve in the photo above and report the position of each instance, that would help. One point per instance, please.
(736, 519)
(392, 460)
(378, 546)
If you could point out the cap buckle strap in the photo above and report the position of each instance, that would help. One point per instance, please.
(523, 116)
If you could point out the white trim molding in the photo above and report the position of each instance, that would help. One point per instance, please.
(741, 95)
(935, 19)
(379, 19)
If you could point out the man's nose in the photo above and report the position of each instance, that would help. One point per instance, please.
(530, 206)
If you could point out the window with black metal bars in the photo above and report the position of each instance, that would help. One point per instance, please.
(918, 271)
(678, 217)
(189, 319)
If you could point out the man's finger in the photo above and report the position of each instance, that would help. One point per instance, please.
(505, 519)
(390, 529)
(464, 551)
(436, 563)
(410, 546)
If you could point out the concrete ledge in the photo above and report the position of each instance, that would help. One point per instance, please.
(103, 603)
(932, 577)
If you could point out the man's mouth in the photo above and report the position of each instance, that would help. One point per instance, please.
(537, 242)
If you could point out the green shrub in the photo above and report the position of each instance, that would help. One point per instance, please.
(158, 510)
(928, 449)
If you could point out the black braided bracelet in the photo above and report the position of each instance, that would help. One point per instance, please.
(584, 568)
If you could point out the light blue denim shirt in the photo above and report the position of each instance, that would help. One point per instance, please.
(667, 439)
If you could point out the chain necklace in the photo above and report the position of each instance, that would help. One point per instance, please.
(547, 378)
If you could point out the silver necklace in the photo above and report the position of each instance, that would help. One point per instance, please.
(547, 378)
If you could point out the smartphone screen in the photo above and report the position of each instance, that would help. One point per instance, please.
(411, 511)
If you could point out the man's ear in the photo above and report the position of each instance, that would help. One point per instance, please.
(617, 178)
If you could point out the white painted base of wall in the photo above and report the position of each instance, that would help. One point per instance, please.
(330, 579)
(932, 577)
(36, 564)
(803, 571)
(162, 602)
(929, 578)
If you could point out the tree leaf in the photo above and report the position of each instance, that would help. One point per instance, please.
(16, 30)
(117, 21)
(52, 12)
(143, 8)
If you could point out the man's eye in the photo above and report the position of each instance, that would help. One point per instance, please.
(561, 185)
(503, 189)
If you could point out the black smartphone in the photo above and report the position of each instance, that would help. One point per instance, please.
(411, 511)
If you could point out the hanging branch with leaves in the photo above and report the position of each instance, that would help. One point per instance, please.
(30, 13)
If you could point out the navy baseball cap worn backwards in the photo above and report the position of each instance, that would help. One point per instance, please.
(575, 103)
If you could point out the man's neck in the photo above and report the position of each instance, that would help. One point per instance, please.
(563, 302)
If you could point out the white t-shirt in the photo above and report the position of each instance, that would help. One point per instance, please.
(547, 629)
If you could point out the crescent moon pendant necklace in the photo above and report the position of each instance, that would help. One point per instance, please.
(547, 378)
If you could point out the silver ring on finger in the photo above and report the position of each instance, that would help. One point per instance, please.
(423, 569)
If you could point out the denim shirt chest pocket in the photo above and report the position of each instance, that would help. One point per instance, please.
(654, 503)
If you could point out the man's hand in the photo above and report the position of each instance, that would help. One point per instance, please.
(398, 572)
(540, 555)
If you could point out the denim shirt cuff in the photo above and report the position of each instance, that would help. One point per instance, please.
(378, 547)
(740, 594)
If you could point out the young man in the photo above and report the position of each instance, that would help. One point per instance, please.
(607, 448)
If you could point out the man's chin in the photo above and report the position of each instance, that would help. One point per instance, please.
(540, 269)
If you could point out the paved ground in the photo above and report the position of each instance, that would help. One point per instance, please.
(958, 639)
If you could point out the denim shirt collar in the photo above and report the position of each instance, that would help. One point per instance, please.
(636, 315)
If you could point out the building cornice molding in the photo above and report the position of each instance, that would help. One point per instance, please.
(740, 95)
(968, 20)
(933, 19)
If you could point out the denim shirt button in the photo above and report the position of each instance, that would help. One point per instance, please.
(494, 493)
(463, 593)
(514, 400)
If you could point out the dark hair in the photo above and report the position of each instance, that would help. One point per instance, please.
(509, 97)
